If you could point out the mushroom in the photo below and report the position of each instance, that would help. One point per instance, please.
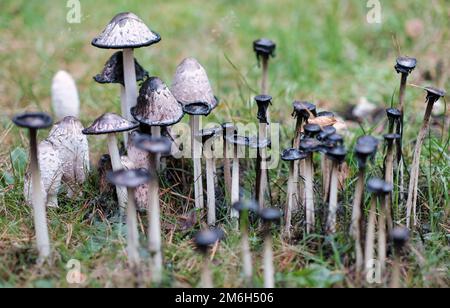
(291, 156)
(245, 208)
(263, 102)
(389, 174)
(309, 146)
(73, 151)
(433, 95)
(208, 137)
(264, 49)
(156, 108)
(154, 146)
(228, 130)
(337, 156)
(65, 99)
(110, 124)
(268, 217)
(324, 162)
(191, 87)
(33, 122)
(131, 179)
(127, 32)
(204, 240)
(399, 237)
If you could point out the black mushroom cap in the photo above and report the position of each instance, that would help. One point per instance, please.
(113, 70)
(363, 152)
(293, 155)
(369, 141)
(228, 129)
(264, 48)
(209, 133)
(304, 110)
(110, 123)
(129, 178)
(337, 154)
(156, 106)
(391, 137)
(238, 140)
(310, 145)
(399, 237)
(379, 187)
(326, 132)
(393, 113)
(198, 108)
(405, 65)
(434, 94)
(335, 139)
(328, 114)
(126, 30)
(256, 143)
(206, 239)
(33, 120)
(270, 215)
(246, 206)
(312, 130)
(263, 102)
(151, 144)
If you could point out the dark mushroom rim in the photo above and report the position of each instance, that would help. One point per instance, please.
(129, 178)
(41, 119)
(149, 43)
(156, 123)
(204, 109)
(87, 131)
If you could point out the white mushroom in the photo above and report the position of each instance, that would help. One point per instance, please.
(65, 100)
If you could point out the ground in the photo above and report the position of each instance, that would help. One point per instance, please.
(327, 53)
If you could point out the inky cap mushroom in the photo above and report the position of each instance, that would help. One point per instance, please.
(206, 239)
(33, 120)
(110, 123)
(264, 48)
(337, 154)
(129, 178)
(405, 65)
(270, 215)
(154, 145)
(246, 206)
(310, 145)
(312, 130)
(293, 155)
(263, 102)
(326, 132)
(400, 237)
(379, 187)
(304, 110)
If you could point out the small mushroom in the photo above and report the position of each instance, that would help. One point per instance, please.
(33, 122)
(269, 217)
(399, 238)
(126, 31)
(291, 156)
(65, 99)
(245, 208)
(264, 49)
(228, 130)
(433, 95)
(110, 124)
(309, 146)
(389, 174)
(262, 187)
(312, 130)
(131, 179)
(154, 146)
(204, 240)
(337, 156)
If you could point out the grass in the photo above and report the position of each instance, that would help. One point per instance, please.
(327, 53)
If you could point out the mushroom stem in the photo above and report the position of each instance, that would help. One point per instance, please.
(124, 105)
(156, 132)
(290, 200)
(130, 81)
(133, 233)
(389, 178)
(196, 154)
(269, 282)
(265, 73)
(370, 235)
(154, 234)
(382, 237)
(211, 194)
(333, 204)
(39, 210)
(395, 280)
(357, 221)
(206, 279)
(325, 166)
(309, 190)
(235, 182)
(411, 204)
(116, 166)
(246, 258)
(226, 163)
(262, 176)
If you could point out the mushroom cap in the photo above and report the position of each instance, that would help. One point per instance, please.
(113, 70)
(199, 109)
(335, 139)
(393, 113)
(368, 140)
(228, 129)
(263, 99)
(246, 206)
(364, 150)
(263, 102)
(264, 47)
(270, 215)
(337, 154)
(309, 145)
(156, 106)
(312, 130)
(154, 145)
(400, 236)
(293, 155)
(65, 98)
(238, 140)
(191, 85)
(129, 178)
(209, 133)
(328, 114)
(434, 93)
(255, 143)
(304, 109)
(326, 132)
(205, 239)
(379, 187)
(126, 30)
(392, 137)
(110, 123)
(405, 65)
(33, 120)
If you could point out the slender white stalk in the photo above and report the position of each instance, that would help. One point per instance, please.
(211, 194)
(247, 265)
(133, 233)
(235, 182)
(309, 190)
(116, 166)
(357, 217)
(333, 204)
(370, 235)
(265, 73)
(206, 279)
(156, 132)
(196, 158)
(382, 238)
(227, 150)
(214, 167)
(269, 273)
(130, 81)
(389, 178)
(262, 186)
(290, 201)
(299, 185)
(39, 210)
(154, 233)
(124, 106)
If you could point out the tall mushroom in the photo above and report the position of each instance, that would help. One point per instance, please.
(337, 156)
(269, 217)
(191, 87)
(131, 179)
(110, 124)
(33, 122)
(264, 49)
(204, 240)
(389, 174)
(155, 146)
(433, 95)
(245, 208)
(228, 130)
(65, 98)
(399, 237)
(126, 31)
(291, 156)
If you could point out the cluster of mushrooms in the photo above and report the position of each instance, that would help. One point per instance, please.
(145, 124)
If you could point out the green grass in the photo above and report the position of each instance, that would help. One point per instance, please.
(327, 53)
